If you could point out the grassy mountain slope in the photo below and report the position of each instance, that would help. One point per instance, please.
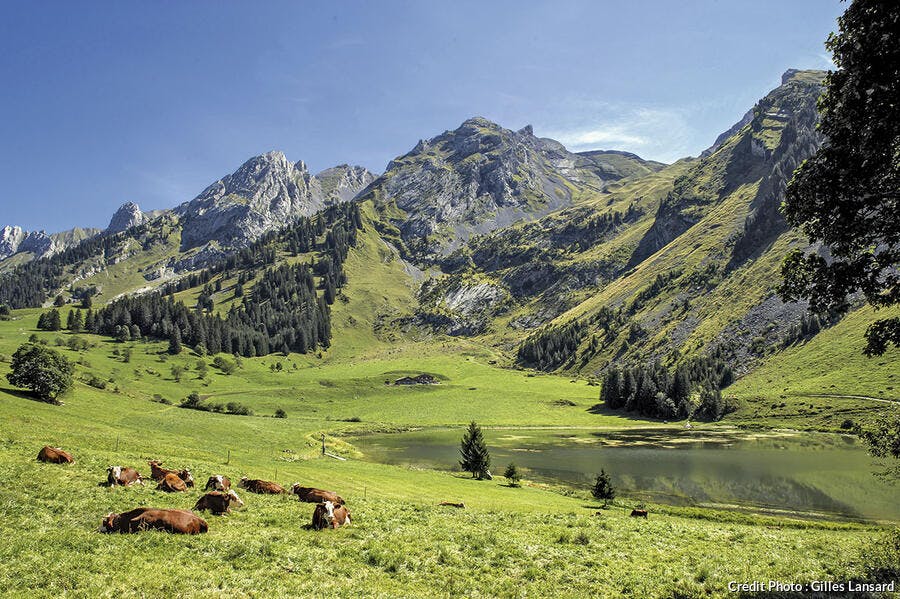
(823, 382)
(693, 284)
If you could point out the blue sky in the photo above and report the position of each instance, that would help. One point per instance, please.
(108, 102)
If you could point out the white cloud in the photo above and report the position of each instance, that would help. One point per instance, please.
(654, 133)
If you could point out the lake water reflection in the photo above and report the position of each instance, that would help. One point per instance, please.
(806, 472)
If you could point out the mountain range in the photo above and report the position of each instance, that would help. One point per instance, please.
(559, 260)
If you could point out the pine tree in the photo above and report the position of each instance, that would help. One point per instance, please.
(54, 322)
(60, 301)
(70, 319)
(77, 322)
(603, 488)
(512, 475)
(175, 342)
(475, 456)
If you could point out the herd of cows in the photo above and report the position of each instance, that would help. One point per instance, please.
(330, 511)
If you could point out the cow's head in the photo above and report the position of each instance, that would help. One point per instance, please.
(215, 483)
(295, 488)
(113, 474)
(244, 481)
(187, 477)
(329, 512)
(108, 524)
(233, 498)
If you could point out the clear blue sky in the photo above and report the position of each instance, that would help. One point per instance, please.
(107, 102)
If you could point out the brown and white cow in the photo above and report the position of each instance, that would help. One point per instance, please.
(217, 482)
(172, 483)
(117, 475)
(263, 487)
(329, 515)
(55, 455)
(218, 502)
(148, 518)
(312, 495)
(157, 473)
(635, 513)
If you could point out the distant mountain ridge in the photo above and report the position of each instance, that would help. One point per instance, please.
(508, 237)
(480, 177)
(39, 244)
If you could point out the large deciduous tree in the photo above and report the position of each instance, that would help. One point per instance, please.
(847, 196)
(46, 372)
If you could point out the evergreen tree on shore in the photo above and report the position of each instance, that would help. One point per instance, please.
(474, 452)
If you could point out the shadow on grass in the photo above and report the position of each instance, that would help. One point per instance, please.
(30, 396)
(601, 409)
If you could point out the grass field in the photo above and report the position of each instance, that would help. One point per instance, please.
(812, 385)
(530, 541)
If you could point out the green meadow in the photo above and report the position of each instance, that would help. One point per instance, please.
(537, 540)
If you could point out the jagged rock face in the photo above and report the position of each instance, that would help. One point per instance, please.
(475, 179)
(342, 183)
(127, 216)
(765, 148)
(14, 240)
(265, 193)
(10, 240)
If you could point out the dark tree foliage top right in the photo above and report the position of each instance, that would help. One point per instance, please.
(847, 196)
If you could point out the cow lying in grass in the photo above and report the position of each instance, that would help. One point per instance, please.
(329, 515)
(312, 495)
(262, 487)
(218, 502)
(217, 482)
(158, 473)
(172, 483)
(148, 518)
(117, 475)
(55, 455)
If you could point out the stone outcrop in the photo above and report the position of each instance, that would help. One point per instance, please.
(128, 215)
(265, 193)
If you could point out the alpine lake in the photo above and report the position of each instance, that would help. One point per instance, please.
(818, 475)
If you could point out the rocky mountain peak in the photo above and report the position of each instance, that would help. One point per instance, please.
(266, 192)
(341, 183)
(10, 239)
(128, 215)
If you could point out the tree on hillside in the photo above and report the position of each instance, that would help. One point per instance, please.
(603, 488)
(60, 301)
(847, 196)
(475, 456)
(512, 475)
(175, 342)
(77, 322)
(177, 372)
(44, 371)
(50, 321)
